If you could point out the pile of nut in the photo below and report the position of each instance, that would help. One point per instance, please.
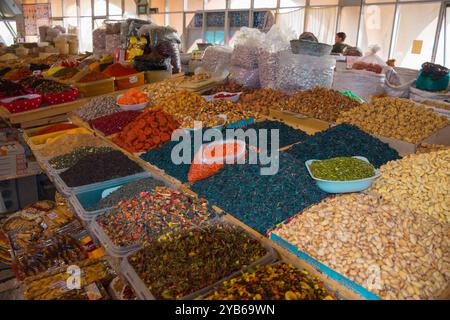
(419, 182)
(392, 252)
(262, 100)
(160, 90)
(228, 87)
(427, 147)
(395, 118)
(436, 104)
(321, 103)
(233, 111)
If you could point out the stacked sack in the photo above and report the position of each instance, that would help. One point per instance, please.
(244, 60)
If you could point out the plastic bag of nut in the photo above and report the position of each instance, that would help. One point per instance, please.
(99, 38)
(247, 47)
(302, 72)
(248, 78)
(361, 82)
(216, 57)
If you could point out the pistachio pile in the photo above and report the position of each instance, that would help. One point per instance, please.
(428, 147)
(321, 103)
(419, 182)
(391, 251)
(395, 118)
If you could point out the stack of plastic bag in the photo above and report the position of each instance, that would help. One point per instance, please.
(216, 59)
(362, 82)
(244, 60)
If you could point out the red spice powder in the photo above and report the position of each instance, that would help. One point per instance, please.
(118, 70)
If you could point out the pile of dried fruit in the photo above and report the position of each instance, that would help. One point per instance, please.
(69, 159)
(426, 147)
(115, 122)
(195, 259)
(133, 96)
(273, 282)
(149, 130)
(420, 183)
(98, 107)
(125, 192)
(286, 135)
(233, 111)
(262, 100)
(341, 169)
(261, 200)
(391, 251)
(185, 104)
(98, 167)
(51, 87)
(395, 118)
(321, 103)
(153, 215)
(160, 90)
(17, 74)
(10, 89)
(67, 143)
(228, 87)
(344, 141)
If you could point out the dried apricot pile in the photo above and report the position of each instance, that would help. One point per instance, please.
(133, 96)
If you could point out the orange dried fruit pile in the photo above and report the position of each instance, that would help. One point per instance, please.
(149, 130)
(133, 96)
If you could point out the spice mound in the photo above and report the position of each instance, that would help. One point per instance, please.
(56, 128)
(92, 76)
(359, 236)
(419, 182)
(67, 143)
(153, 215)
(344, 141)
(52, 87)
(195, 259)
(99, 167)
(281, 281)
(115, 122)
(69, 159)
(395, 118)
(118, 70)
(98, 107)
(149, 130)
(125, 192)
(342, 169)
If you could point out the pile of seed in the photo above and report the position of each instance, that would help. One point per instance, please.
(392, 252)
(344, 141)
(419, 182)
(281, 281)
(194, 260)
(341, 169)
(98, 107)
(125, 192)
(69, 159)
(154, 215)
(99, 167)
(68, 142)
(261, 201)
(287, 135)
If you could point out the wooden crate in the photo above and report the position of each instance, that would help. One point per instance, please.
(308, 124)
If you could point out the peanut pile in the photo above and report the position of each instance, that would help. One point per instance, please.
(392, 252)
(320, 103)
(160, 90)
(262, 100)
(419, 182)
(395, 118)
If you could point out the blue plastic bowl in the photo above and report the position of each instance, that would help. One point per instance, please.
(331, 186)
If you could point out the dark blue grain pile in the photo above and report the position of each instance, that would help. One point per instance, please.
(344, 141)
(261, 201)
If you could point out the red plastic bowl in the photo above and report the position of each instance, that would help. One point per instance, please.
(22, 103)
(63, 97)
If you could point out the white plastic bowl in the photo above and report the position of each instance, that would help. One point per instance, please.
(130, 107)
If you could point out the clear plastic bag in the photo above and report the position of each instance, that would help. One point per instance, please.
(99, 38)
(112, 42)
(246, 77)
(372, 57)
(361, 82)
(216, 58)
(247, 47)
(303, 72)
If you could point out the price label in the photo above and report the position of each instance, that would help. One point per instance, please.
(37, 72)
(133, 79)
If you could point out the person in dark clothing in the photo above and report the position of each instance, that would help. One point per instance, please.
(339, 46)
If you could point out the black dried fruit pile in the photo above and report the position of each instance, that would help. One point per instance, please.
(99, 167)
(344, 140)
(261, 201)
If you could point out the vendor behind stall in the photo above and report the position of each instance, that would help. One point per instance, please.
(339, 46)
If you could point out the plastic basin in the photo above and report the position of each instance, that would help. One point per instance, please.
(131, 107)
(343, 186)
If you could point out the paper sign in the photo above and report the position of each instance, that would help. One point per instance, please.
(133, 79)
(417, 46)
